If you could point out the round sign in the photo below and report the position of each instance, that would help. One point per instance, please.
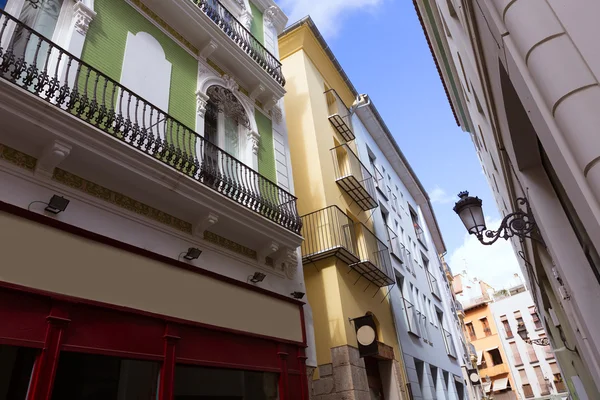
(365, 335)
(474, 377)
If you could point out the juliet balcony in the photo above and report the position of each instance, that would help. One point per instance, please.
(353, 177)
(339, 115)
(216, 33)
(331, 233)
(119, 139)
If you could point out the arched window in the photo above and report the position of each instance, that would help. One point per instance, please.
(226, 121)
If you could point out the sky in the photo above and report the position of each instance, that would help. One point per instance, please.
(382, 48)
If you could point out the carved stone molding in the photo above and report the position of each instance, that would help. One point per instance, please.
(277, 114)
(208, 49)
(204, 223)
(201, 103)
(257, 92)
(254, 141)
(51, 157)
(83, 16)
(246, 19)
(230, 83)
(291, 263)
(269, 104)
(269, 17)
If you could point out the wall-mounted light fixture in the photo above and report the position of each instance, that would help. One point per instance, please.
(519, 223)
(297, 295)
(57, 204)
(192, 254)
(522, 331)
(257, 277)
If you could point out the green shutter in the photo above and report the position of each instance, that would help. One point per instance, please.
(257, 29)
(266, 150)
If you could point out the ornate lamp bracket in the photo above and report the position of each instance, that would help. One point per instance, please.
(519, 223)
(539, 342)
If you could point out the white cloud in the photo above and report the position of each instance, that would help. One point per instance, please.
(326, 14)
(495, 264)
(439, 195)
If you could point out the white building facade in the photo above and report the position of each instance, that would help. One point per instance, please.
(146, 196)
(426, 321)
(534, 368)
(522, 78)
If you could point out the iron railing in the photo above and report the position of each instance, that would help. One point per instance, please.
(352, 176)
(339, 115)
(450, 347)
(433, 285)
(36, 64)
(375, 263)
(233, 28)
(328, 232)
(412, 318)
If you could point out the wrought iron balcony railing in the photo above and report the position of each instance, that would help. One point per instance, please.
(450, 347)
(339, 115)
(233, 28)
(412, 318)
(352, 176)
(375, 263)
(328, 232)
(36, 64)
(433, 285)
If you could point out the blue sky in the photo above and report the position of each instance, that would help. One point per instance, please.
(382, 47)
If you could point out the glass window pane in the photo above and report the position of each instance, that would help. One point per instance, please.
(93, 377)
(202, 383)
(16, 365)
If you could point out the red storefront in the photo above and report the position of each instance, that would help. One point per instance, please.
(54, 346)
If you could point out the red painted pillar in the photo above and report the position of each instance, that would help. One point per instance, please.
(167, 373)
(304, 389)
(47, 362)
(284, 386)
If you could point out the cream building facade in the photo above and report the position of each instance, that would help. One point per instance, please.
(522, 79)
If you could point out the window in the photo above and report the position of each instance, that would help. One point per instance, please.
(527, 390)
(462, 68)
(471, 331)
(193, 382)
(531, 353)
(418, 230)
(482, 138)
(16, 364)
(486, 326)
(506, 327)
(557, 378)
(90, 376)
(542, 380)
(495, 356)
(536, 318)
(225, 122)
(515, 354)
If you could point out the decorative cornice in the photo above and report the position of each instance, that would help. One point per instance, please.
(254, 140)
(83, 17)
(230, 245)
(201, 103)
(230, 83)
(17, 158)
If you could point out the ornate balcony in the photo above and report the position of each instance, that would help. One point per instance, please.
(238, 33)
(339, 115)
(328, 233)
(353, 177)
(73, 88)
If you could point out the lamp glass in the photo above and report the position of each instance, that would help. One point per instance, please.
(522, 331)
(473, 219)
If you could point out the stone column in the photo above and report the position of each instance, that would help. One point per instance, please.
(344, 378)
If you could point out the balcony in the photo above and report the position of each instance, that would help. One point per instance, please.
(412, 317)
(459, 308)
(494, 370)
(339, 115)
(374, 264)
(329, 233)
(433, 285)
(124, 139)
(214, 32)
(450, 347)
(352, 176)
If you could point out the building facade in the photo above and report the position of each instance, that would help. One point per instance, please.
(347, 268)
(149, 229)
(426, 321)
(522, 78)
(535, 372)
(476, 297)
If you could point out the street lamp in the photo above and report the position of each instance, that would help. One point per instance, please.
(519, 223)
(522, 331)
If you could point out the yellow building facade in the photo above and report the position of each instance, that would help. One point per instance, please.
(347, 268)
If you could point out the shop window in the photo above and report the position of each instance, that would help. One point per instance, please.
(16, 365)
(95, 377)
(193, 382)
